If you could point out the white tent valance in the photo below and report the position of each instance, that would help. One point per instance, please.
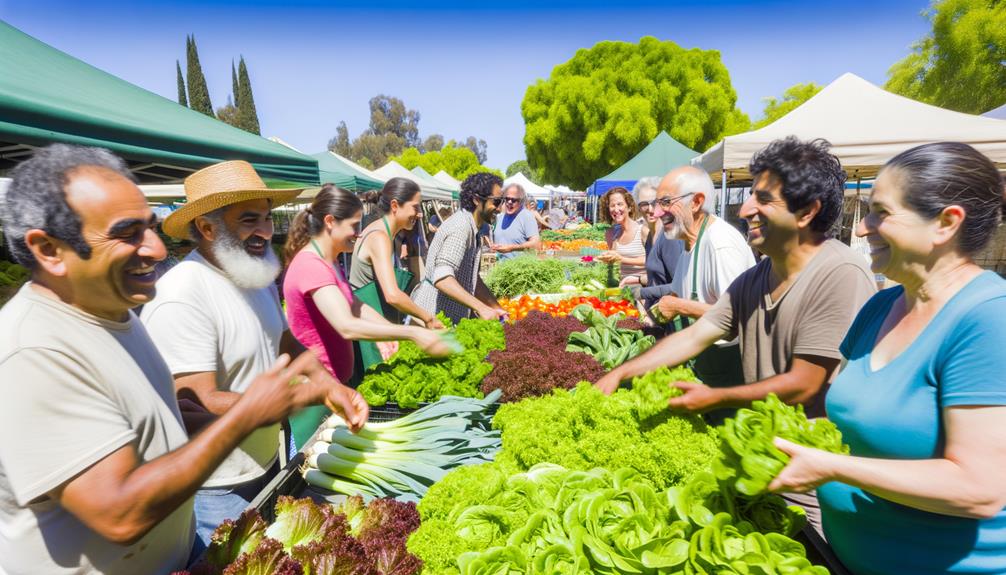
(866, 126)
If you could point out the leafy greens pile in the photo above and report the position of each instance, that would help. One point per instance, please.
(609, 344)
(550, 520)
(536, 361)
(527, 274)
(313, 539)
(411, 376)
(584, 429)
(592, 233)
(750, 461)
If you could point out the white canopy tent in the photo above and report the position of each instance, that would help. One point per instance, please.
(445, 178)
(430, 191)
(424, 175)
(998, 113)
(866, 126)
(532, 189)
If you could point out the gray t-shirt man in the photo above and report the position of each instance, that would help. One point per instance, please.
(810, 318)
(516, 229)
(75, 389)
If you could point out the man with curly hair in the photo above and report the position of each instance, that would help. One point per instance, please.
(452, 284)
(792, 309)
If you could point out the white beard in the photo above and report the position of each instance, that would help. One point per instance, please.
(245, 270)
(675, 231)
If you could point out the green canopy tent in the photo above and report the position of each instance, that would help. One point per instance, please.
(48, 96)
(660, 156)
(337, 170)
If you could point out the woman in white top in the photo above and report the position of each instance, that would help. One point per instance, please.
(626, 238)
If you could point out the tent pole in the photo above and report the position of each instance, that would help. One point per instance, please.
(723, 194)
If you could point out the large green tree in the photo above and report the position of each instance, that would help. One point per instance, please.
(340, 144)
(181, 85)
(523, 166)
(458, 161)
(961, 63)
(601, 107)
(795, 95)
(199, 94)
(229, 114)
(247, 113)
(234, 84)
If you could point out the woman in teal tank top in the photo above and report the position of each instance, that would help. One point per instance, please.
(922, 399)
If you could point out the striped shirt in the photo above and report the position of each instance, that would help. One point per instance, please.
(454, 251)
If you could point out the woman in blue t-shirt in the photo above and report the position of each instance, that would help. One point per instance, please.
(922, 399)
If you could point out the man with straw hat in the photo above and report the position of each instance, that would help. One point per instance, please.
(217, 319)
(97, 472)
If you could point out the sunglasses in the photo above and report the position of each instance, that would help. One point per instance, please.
(496, 201)
(512, 200)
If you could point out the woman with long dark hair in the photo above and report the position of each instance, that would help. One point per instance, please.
(323, 314)
(375, 259)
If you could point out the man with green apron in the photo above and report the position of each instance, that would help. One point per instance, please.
(715, 254)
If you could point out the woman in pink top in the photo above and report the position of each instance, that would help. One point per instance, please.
(322, 312)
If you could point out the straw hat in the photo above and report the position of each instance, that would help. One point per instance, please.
(217, 186)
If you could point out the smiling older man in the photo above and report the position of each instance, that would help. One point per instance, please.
(217, 319)
(516, 228)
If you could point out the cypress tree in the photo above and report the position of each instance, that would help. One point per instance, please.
(199, 94)
(181, 85)
(234, 85)
(246, 110)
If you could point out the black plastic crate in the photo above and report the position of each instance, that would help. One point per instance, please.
(391, 410)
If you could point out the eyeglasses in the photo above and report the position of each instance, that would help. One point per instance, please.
(666, 203)
(644, 205)
(511, 201)
(496, 201)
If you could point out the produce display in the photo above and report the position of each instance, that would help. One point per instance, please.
(574, 245)
(609, 344)
(403, 457)
(536, 360)
(316, 539)
(750, 460)
(528, 274)
(549, 519)
(591, 233)
(520, 308)
(583, 429)
(411, 376)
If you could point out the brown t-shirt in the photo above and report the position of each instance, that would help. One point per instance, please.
(810, 318)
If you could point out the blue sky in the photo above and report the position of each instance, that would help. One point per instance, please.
(314, 63)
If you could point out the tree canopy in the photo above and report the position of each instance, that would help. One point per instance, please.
(458, 161)
(523, 166)
(393, 130)
(791, 100)
(604, 105)
(199, 94)
(960, 64)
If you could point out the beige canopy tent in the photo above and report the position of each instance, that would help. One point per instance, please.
(866, 126)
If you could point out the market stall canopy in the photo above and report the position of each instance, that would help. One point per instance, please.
(424, 175)
(533, 190)
(446, 178)
(48, 96)
(430, 192)
(660, 156)
(866, 126)
(335, 169)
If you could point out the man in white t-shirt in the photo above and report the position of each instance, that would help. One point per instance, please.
(96, 471)
(217, 320)
(715, 255)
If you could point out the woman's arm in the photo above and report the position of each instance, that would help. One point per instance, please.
(379, 250)
(968, 481)
(358, 321)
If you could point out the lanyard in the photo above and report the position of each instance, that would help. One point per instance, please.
(695, 259)
(317, 249)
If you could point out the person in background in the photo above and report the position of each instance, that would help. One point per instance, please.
(370, 199)
(627, 237)
(97, 471)
(451, 283)
(662, 252)
(324, 315)
(516, 228)
(532, 206)
(218, 323)
(921, 401)
(374, 257)
(557, 217)
(792, 309)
